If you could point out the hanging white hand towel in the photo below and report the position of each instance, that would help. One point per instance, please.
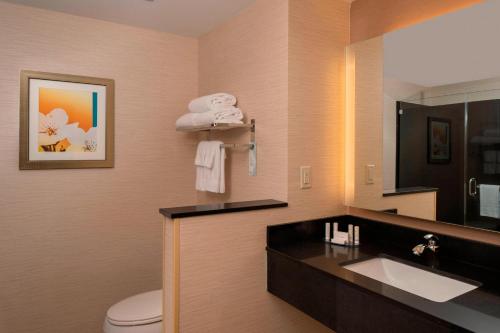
(489, 197)
(210, 171)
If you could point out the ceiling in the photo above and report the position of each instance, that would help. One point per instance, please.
(458, 47)
(183, 17)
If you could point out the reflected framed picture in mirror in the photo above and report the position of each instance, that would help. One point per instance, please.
(438, 140)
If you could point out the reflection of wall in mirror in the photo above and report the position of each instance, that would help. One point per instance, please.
(394, 91)
(417, 64)
(368, 137)
(371, 18)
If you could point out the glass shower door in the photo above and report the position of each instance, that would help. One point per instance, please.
(452, 142)
(482, 160)
(430, 150)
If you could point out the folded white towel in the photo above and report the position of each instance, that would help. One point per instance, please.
(210, 171)
(231, 115)
(489, 197)
(218, 101)
(227, 115)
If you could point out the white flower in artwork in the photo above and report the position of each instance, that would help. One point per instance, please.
(90, 143)
(75, 135)
(50, 126)
(54, 128)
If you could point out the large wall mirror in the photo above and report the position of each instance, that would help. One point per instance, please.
(442, 113)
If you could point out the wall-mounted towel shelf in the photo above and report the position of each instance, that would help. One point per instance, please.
(251, 146)
(215, 127)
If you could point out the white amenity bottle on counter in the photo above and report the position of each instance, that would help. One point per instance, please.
(350, 231)
(356, 235)
(335, 231)
(327, 232)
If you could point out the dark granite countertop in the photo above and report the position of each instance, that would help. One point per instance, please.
(220, 208)
(477, 311)
(410, 190)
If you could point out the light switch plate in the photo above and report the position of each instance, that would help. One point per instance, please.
(369, 174)
(305, 177)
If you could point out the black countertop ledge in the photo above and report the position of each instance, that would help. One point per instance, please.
(410, 190)
(477, 311)
(220, 208)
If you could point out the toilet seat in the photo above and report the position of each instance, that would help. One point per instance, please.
(141, 309)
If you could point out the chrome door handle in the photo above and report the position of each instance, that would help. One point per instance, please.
(472, 187)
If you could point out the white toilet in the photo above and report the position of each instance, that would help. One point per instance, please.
(137, 314)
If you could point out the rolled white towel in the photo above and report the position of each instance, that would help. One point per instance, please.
(207, 103)
(227, 115)
(194, 119)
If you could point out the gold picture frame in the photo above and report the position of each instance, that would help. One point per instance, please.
(95, 148)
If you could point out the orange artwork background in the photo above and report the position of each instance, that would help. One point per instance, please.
(77, 104)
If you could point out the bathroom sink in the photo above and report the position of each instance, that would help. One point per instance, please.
(420, 282)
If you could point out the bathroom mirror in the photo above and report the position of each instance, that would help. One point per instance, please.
(442, 113)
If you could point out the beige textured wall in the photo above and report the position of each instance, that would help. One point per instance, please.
(288, 74)
(319, 32)
(290, 53)
(247, 57)
(223, 277)
(72, 242)
(367, 137)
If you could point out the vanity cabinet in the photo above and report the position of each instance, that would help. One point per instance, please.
(341, 306)
(307, 289)
(360, 311)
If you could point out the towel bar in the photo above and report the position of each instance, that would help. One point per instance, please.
(252, 149)
(251, 146)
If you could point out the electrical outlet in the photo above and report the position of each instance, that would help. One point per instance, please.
(305, 177)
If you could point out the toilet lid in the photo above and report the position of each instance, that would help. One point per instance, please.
(140, 309)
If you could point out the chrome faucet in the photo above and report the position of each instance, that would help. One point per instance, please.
(431, 245)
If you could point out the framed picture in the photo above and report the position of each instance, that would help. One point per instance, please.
(438, 141)
(66, 121)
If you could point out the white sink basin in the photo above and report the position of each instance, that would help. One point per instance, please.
(434, 287)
